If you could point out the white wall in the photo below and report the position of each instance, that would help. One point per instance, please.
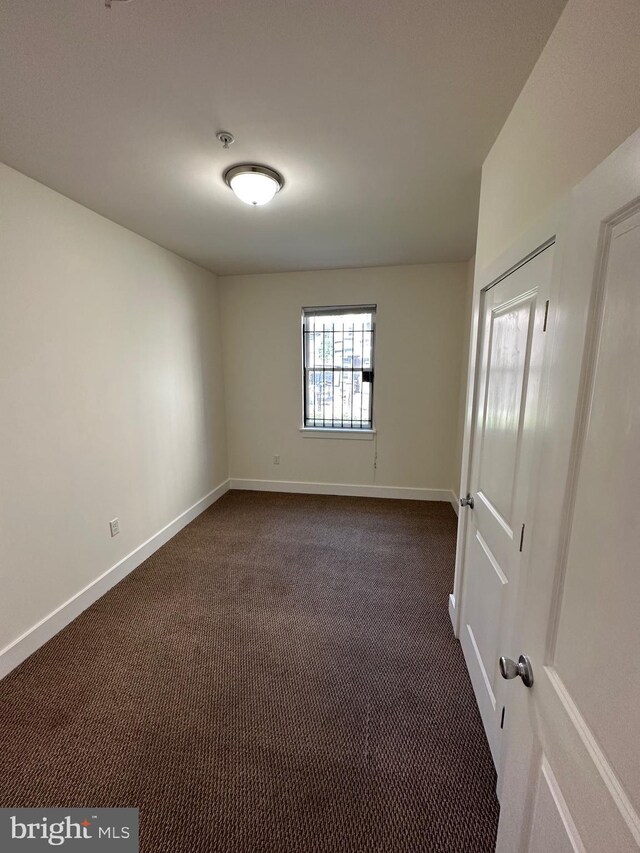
(111, 396)
(420, 334)
(464, 364)
(581, 101)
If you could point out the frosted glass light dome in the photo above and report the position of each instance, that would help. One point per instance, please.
(254, 185)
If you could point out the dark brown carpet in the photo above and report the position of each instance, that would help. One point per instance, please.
(281, 676)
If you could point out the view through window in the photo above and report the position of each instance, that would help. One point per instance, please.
(338, 367)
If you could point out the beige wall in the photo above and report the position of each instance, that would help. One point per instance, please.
(420, 332)
(581, 101)
(110, 396)
(464, 367)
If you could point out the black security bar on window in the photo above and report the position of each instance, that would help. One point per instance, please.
(338, 364)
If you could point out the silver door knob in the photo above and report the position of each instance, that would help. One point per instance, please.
(468, 501)
(510, 669)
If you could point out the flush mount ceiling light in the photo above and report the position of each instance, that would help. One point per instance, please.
(253, 184)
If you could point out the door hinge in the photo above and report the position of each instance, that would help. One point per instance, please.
(502, 717)
(522, 537)
(546, 315)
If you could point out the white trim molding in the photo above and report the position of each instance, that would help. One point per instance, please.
(21, 648)
(335, 432)
(453, 615)
(351, 490)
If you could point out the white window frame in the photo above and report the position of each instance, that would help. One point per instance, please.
(332, 432)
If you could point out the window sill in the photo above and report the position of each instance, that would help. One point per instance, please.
(336, 432)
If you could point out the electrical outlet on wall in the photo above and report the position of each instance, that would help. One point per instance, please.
(276, 458)
(114, 526)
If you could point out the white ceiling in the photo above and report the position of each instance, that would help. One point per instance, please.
(378, 114)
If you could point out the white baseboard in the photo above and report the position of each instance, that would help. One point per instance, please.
(452, 613)
(397, 492)
(20, 649)
(455, 502)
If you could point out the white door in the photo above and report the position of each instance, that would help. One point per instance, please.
(511, 349)
(572, 770)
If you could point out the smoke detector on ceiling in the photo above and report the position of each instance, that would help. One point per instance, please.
(225, 138)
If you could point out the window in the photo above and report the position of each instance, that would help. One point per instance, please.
(337, 346)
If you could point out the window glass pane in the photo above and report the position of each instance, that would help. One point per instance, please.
(337, 347)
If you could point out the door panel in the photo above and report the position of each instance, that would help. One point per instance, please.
(577, 618)
(509, 332)
(487, 587)
(552, 829)
(605, 533)
(511, 343)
